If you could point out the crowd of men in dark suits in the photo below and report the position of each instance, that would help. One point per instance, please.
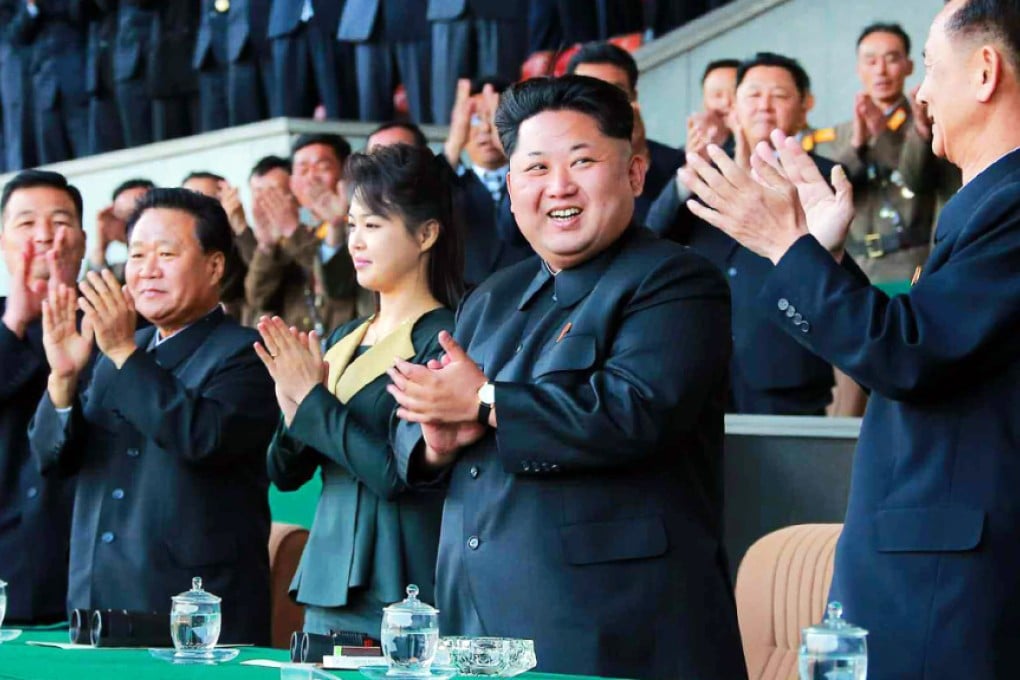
(578, 473)
(81, 77)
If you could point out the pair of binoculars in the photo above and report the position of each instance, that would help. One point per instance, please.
(119, 628)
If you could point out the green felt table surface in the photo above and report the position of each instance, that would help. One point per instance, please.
(20, 661)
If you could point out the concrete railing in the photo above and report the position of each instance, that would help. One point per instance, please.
(230, 153)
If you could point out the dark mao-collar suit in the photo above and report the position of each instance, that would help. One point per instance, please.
(170, 457)
(770, 373)
(35, 513)
(929, 557)
(590, 520)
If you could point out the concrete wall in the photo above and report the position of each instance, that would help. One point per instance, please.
(821, 34)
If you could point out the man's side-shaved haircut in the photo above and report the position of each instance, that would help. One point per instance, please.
(604, 102)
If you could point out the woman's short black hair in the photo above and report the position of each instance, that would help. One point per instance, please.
(409, 182)
(212, 229)
(605, 103)
(29, 179)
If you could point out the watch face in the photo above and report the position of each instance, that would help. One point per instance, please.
(487, 394)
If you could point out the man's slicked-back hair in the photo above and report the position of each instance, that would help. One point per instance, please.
(203, 174)
(800, 76)
(341, 147)
(212, 229)
(605, 103)
(718, 64)
(998, 20)
(599, 52)
(267, 164)
(30, 179)
(419, 137)
(886, 27)
(128, 185)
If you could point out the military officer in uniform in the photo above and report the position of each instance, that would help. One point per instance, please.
(210, 60)
(892, 224)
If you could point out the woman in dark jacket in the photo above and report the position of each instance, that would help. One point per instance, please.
(371, 536)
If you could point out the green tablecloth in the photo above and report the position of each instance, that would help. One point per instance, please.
(19, 661)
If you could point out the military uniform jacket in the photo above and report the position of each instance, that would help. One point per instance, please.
(892, 225)
(170, 457)
(370, 530)
(292, 281)
(35, 513)
(590, 520)
(930, 551)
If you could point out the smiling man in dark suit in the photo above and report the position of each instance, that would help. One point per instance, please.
(584, 457)
(930, 550)
(770, 373)
(168, 438)
(43, 243)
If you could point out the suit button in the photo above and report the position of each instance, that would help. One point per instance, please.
(783, 304)
(797, 318)
(107, 537)
(117, 494)
(473, 472)
(518, 348)
(805, 327)
(790, 311)
(731, 272)
(555, 299)
(133, 453)
(473, 543)
(32, 492)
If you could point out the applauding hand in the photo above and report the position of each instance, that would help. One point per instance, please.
(294, 361)
(110, 311)
(443, 398)
(67, 349)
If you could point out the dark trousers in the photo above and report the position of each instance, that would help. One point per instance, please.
(212, 97)
(135, 106)
(469, 48)
(62, 129)
(174, 117)
(105, 133)
(18, 143)
(310, 69)
(249, 86)
(381, 67)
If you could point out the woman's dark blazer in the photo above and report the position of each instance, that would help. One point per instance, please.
(370, 530)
